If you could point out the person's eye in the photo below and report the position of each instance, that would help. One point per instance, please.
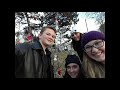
(74, 66)
(54, 36)
(98, 43)
(68, 67)
(48, 34)
(87, 47)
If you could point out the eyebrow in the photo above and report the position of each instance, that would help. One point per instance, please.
(71, 66)
(89, 45)
(51, 34)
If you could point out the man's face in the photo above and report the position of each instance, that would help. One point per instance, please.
(76, 36)
(47, 37)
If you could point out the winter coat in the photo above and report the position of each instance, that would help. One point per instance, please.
(31, 62)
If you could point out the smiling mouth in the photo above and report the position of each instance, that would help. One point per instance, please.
(98, 54)
(50, 40)
(72, 74)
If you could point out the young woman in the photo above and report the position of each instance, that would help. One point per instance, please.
(93, 44)
(73, 67)
(76, 43)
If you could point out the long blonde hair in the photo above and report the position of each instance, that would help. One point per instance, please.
(92, 68)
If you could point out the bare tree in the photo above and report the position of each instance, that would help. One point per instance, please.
(99, 16)
(99, 19)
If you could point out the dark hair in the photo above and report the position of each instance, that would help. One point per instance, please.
(50, 27)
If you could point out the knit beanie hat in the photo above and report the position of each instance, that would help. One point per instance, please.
(92, 35)
(72, 59)
(75, 30)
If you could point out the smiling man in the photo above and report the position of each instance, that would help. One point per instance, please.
(33, 60)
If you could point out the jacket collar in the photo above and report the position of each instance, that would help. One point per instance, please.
(37, 45)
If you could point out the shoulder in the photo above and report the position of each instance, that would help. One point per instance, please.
(22, 48)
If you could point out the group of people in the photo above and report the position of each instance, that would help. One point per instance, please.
(33, 60)
(90, 47)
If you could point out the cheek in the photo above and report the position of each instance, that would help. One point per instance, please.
(76, 38)
(68, 71)
(43, 37)
(77, 70)
(103, 48)
(89, 54)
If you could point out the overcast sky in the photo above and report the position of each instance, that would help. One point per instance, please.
(81, 25)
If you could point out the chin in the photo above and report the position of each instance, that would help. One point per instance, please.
(48, 43)
(76, 39)
(73, 76)
(100, 60)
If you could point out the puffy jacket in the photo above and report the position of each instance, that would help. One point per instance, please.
(31, 62)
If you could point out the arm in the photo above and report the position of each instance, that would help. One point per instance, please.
(20, 50)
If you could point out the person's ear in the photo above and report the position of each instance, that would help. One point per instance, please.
(40, 36)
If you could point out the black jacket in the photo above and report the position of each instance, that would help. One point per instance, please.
(31, 62)
(77, 47)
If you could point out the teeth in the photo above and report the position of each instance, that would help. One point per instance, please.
(98, 54)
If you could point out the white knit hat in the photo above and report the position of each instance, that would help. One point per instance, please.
(74, 29)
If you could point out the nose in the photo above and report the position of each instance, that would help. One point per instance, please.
(71, 69)
(74, 37)
(94, 50)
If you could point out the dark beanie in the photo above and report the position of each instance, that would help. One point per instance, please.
(92, 35)
(72, 59)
